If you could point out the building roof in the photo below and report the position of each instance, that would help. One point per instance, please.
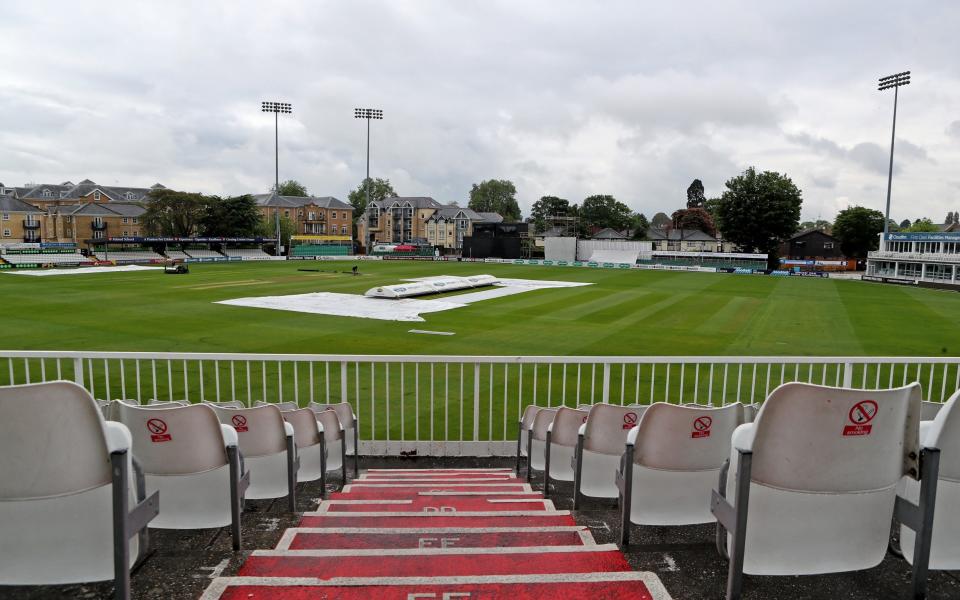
(9, 204)
(94, 209)
(807, 232)
(611, 234)
(68, 190)
(676, 235)
(274, 199)
(491, 217)
(452, 211)
(412, 201)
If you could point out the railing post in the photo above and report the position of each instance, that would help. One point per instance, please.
(605, 398)
(343, 382)
(848, 374)
(77, 371)
(476, 402)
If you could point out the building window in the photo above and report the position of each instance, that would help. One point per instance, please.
(6, 216)
(286, 213)
(98, 235)
(124, 220)
(312, 216)
(343, 230)
(47, 194)
(96, 195)
(129, 196)
(135, 220)
(828, 245)
(69, 232)
(300, 213)
(6, 233)
(124, 234)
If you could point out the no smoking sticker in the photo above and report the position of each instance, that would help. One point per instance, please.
(158, 431)
(239, 422)
(701, 427)
(860, 416)
(629, 420)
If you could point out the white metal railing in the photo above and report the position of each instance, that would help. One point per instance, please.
(460, 405)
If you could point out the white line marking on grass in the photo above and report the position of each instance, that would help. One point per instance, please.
(424, 331)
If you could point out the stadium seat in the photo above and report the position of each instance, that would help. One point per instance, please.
(334, 439)
(311, 446)
(192, 460)
(943, 434)
(167, 403)
(283, 406)
(523, 427)
(811, 486)
(267, 444)
(600, 443)
(351, 429)
(929, 410)
(537, 440)
(225, 404)
(69, 495)
(671, 464)
(561, 443)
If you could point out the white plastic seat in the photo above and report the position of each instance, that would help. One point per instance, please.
(192, 460)
(165, 403)
(562, 436)
(942, 433)
(812, 481)
(929, 410)
(225, 404)
(311, 448)
(523, 426)
(537, 440)
(335, 441)
(599, 448)
(269, 450)
(671, 464)
(283, 406)
(66, 477)
(351, 429)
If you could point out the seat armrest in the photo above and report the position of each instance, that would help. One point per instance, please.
(118, 436)
(550, 428)
(632, 436)
(288, 428)
(319, 426)
(742, 438)
(582, 430)
(229, 435)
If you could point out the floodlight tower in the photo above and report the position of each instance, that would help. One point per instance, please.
(276, 108)
(367, 113)
(885, 83)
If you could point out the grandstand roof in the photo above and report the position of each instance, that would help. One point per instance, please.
(9, 204)
(274, 199)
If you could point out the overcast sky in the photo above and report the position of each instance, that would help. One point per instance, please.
(634, 99)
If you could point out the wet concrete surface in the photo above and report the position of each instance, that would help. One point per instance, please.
(180, 564)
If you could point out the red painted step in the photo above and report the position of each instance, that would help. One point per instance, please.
(463, 519)
(612, 586)
(406, 493)
(433, 563)
(447, 475)
(364, 539)
(435, 503)
(436, 487)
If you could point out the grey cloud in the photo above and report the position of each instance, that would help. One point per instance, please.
(953, 129)
(868, 155)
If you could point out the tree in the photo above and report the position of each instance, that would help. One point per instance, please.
(694, 218)
(292, 187)
(640, 226)
(174, 214)
(759, 210)
(604, 210)
(495, 195)
(820, 224)
(858, 229)
(660, 220)
(545, 207)
(923, 225)
(380, 189)
(905, 224)
(237, 216)
(695, 197)
(267, 228)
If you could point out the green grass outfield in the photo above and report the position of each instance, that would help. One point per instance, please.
(624, 313)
